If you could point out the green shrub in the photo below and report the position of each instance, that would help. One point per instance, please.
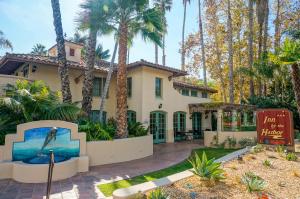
(258, 148)
(267, 163)
(231, 142)
(158, 194)
(253, 182)
(94, 131)
(247, 142)
(137, 129)
(291, 157)
(206, 169)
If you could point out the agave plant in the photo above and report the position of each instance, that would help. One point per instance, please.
(30, 101)
(158, 194)
(207, 169)
(253, 182)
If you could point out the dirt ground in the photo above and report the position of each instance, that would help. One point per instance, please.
(282, 177)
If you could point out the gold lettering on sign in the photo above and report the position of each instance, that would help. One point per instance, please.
(274, 134)
(269, 119)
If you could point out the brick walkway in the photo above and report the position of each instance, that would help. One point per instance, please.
(83, 185)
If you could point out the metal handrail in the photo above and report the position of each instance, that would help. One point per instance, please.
(50, 173)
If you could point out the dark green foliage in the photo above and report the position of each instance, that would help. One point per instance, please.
(206, 169)
(137, 129)
(32, 101)
(291, 157)
(94, 131)
(253, 182)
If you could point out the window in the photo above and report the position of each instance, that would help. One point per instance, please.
(194, 93)
(204, 95)
(95, 114)
(129, 86)
(179, 121)
(158, 87)
(25, 71)
(185, 92)
(72, 52)
(98, 86)
(131, 116)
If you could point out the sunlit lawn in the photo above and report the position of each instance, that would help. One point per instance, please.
(108, 189)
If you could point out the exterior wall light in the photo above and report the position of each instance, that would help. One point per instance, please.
(160, 106)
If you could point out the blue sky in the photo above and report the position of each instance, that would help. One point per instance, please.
(26, 23)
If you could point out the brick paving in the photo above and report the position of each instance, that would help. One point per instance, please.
(83, 185)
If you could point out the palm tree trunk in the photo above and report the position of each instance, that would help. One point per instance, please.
(241, 77)
(87, 89)
(277, 28)
(164, 50)
(107, 82)
(182, 38)
(156, 53)
(250, 45)
(61, 53)
(122, 83)
(265, 39)
(230, 54)
(296, 83)
(202, 44)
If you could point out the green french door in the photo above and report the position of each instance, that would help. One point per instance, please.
(158, 126)
(196, 124)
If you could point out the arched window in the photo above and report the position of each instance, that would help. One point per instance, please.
(131, 116)
(179, 121)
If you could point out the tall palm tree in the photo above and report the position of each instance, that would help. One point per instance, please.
(183, 34)
(5, 43)
(39, 49)
(289, 54)
(266, 20)
(163, 5)
(260, 15)
(250, 44)
(78, 38)
(61, 53)
(230, 53)
(131, 17)
(93, 17)
(202, 44)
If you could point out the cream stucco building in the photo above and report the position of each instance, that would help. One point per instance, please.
(155, 96)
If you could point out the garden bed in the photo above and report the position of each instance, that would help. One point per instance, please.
(282, 179)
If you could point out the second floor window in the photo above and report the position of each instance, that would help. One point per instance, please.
(98, 86)
(194, 93)
(185, 92)
(131, 116)
(129, 86)
(204, 95)
(72, 52)
(158, 87)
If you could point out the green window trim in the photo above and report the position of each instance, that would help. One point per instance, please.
(194, 93)
(129, 86)
(158, 87)
(179, 121)
(131, 116)
(196, 121)
(98, 86)
(185, 92)
(95, 116)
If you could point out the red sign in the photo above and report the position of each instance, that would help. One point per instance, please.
(275, 126)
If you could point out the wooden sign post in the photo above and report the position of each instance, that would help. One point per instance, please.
(275, 127)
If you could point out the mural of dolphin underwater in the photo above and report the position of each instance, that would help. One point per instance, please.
(50, 136)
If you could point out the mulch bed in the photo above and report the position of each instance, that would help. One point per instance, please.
(283, 180)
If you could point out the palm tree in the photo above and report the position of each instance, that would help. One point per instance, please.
(202, 44)
(39, 49)
(61, 53)
(131, 17)
(93, 17)
(5, 43)
(289, 54)
(230, 53)
(101, 54)
(182, 35)
(250, 44)
(78, 38)
(260, 15)
(163, 5)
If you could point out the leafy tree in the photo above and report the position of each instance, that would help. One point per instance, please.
(101, 54)
(61, 53)
(39, 49)
(26, 102)
(5, 43)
